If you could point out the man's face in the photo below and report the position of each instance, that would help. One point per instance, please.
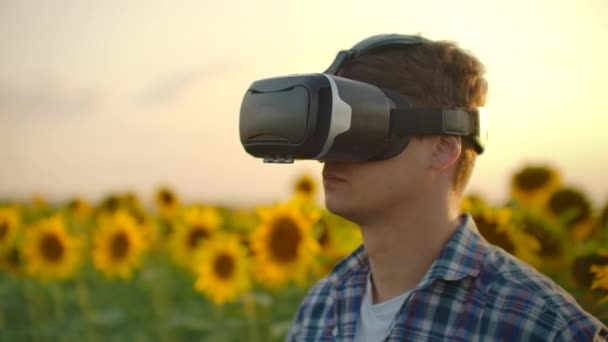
(356, 190)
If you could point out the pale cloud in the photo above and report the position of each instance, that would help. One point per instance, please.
(46, 99)
(170, 87)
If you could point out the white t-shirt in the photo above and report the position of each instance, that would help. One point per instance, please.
(376, 319)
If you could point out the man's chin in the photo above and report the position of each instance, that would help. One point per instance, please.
(340, 208)
(332, 206)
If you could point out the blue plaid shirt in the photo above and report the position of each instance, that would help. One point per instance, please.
(474, 291)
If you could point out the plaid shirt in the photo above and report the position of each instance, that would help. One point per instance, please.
(474, 291)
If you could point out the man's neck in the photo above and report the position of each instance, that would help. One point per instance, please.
(403, 242)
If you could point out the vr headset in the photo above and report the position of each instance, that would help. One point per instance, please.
(329, 118)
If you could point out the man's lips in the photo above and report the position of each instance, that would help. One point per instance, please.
(332, 177)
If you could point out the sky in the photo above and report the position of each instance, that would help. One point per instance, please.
(112, 96)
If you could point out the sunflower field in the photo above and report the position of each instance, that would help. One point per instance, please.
(115, 271)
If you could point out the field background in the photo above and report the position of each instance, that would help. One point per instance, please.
(55, 284)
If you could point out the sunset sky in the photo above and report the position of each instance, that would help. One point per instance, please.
(105, 96)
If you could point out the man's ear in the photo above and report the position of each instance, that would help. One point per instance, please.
(446, 151)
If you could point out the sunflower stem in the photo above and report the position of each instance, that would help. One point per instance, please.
(3, 281)
(58, 304)
(32, 309)
(2, 328)
(160, 303)
(218, 315)
(85, 308)
(250, 314)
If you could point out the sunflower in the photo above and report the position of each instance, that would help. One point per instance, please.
(149, 229)
(12, 261)
(199, 224)
(131, 201)
(337, 238)
(306, 188)
(39, 202)
(79, 208)
(496, 226)
(532, 186)
(241, 220)
(527, 247)
(472, 203)
(9, 224)
(491, 224)
(284, 245)
(167, 203)
(603, 220)
(601, 275)
(223, 269)
(49, 251)
(110, 204)
(572, 208)
(552, 245)
(582, 266)
(119, 245)
(242, 223)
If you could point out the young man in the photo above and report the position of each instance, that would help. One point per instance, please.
(424, 273)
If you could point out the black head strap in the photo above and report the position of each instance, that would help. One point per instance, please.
(436, 121)
(369, 44)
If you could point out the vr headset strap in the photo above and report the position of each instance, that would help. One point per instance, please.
(431, 121)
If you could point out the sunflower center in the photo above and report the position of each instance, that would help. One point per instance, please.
(581, 268)
(550, 246)
(197, 234)
(224, 266)
(14, 257)
(532, 178)
(304, 186)
(111, 204)
(52, 248)
(3, 229)
(119, 245)
(166, 197)
(285, 238)
(604, 218)
(572, 203)
(74, 204)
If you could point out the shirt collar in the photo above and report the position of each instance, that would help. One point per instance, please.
(461, 256)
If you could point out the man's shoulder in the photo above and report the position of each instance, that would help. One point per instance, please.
(517, 291)
(319, 300)
(516, 280)
(320, 291)
(314, 313)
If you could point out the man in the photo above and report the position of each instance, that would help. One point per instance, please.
(423, 272)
